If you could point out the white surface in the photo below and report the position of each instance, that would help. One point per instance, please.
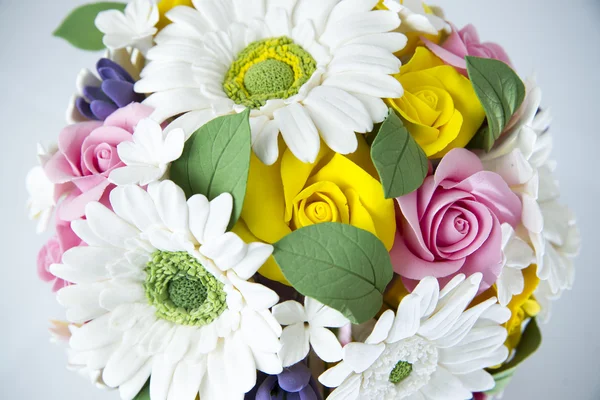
(558, 39)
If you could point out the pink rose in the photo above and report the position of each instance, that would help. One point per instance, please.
(465, 43)
(87, 153)
(451, 224)
(53, 251)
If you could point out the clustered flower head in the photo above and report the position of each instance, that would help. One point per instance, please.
(267, 200)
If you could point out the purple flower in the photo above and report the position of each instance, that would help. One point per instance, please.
(115, 91)
(294, 383)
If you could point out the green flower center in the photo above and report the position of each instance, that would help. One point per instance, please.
(274, 68)
(182, 290)
(400, 372)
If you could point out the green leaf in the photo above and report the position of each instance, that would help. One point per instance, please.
(340, 265)
(401, 163)
(216, 159)
(501, 93)
(79, 28)
(144, 394)
(530, 342)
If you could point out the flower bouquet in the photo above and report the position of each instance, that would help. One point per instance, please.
(299, 199)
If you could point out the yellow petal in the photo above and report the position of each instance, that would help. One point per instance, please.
(394, 293)
(320, 192)
(360, 217)
(263, 210)
(362, 157)
(347, 175)
(423, 59)
(270, 269)
(447, 135)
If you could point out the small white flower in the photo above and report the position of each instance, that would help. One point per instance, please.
(307, 326)
(133, 28)
(518, 255)
(435, 347)
(41, 197)
(149, 155)
(415, 17)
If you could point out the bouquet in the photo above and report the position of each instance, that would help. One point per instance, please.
(299, 199)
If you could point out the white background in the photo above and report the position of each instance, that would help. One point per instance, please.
(558, 39)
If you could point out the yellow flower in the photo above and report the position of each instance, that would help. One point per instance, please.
(439, 108)
(522, 307)
(166, 5)
(291, 194)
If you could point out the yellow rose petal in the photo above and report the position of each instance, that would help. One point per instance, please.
(360, 216)
(347, 175)
(265, 192)
(326, 192)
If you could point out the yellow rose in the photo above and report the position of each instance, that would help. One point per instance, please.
(439, 108)
(291, 194)
(165, 5)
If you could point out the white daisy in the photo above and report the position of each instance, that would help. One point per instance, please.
(41, 201)
(522, 157)
(307, 326)
(434, 348)
(135, 27)
(415, 17)
(305, 68)
(149, 155)
(131, 60)
(517, 255)
(165, 294)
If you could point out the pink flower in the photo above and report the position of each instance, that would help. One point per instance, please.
(53, 251)
(465, 43)
(87, 153)
(451, 224)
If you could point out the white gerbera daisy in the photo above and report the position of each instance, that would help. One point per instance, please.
(304, 68)
(307, 326)
(135, 27)
(149, 155)
(517, 255)
(164, 292)
(434, 348)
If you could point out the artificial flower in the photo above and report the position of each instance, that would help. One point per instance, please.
(418, 21)
(307, 327)
(148, 156)
(164, 6)
(135, 27)
(295, 382)
(41, 197)
(52, 252)
(309, 70)
(465, 42)
(517, 255)
(434, 347)
(109, 89)
(452, 223)
(166, 294)
(439, 108)
(291, 194)
(522, 157)
(87, 153)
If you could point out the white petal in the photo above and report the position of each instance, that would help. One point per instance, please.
(239, 363)
(372, 84)
(382, 328)
(142, 175)
(294, 344)
(257, 296)
(122, 365)
(407, 321)
(134, 385)
(226, 251)
(298, 131)
(391, 41)
(358, 24)
(329, 317)
(186, 381)
(375, 106)
(94, 335)
(218, 217)
(289, 312)
(428, 290)
(191, 121)
(268, 363)
(264, 142)
(176, 101)
(334, 376)
(257, 254)
(363, 57)
(134, 204)
(477, 381)
(442, 384)
(360, 356)
(171, 206)
(199, 210)
(161, 378)
(325, 344)
(105, 224)
(258, 333)
(348, 390)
